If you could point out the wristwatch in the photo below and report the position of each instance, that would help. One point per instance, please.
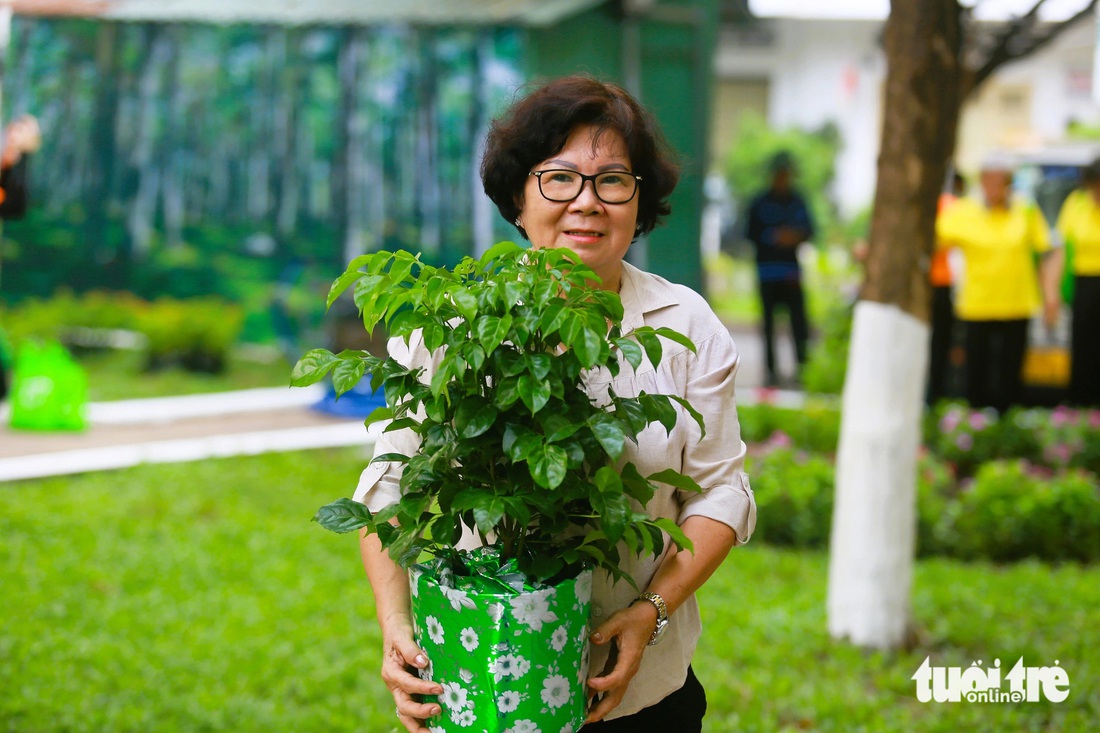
(662, 615)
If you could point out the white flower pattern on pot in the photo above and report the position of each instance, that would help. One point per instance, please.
(555, 691)
(466, 675)
(435, 629)
(524, 726)
(583, 587)
(533, 609)
(468, 637)
(559, 638)
(454, 697)
(509, 665)
(466, 718)
(509, 700)
(496, 611)
(568, 728)
(459, 598)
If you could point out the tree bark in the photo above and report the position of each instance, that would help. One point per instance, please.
(101, 173)
(871, 547)
(141, 215)
(481, 208)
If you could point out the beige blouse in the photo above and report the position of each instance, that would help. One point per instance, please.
(706, 380)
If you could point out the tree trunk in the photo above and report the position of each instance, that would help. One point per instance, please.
(427, 144)
(349, 162)
(140, 217)
(482, 207)
(171, 155)
(871, 547)
(101, 173)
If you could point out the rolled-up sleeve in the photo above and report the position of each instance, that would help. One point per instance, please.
(717, 461)
(379, 484)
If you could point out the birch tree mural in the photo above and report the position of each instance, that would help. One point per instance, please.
(182, 159)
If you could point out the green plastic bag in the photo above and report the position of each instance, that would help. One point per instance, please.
(49, 390)
(511, 658)
(1068, 281)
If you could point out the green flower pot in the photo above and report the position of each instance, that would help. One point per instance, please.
(510, 660)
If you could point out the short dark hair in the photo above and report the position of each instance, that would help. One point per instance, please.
(538, 125)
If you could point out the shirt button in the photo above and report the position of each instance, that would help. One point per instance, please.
(597, 611)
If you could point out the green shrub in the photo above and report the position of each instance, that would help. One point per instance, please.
(196, 334)
(1011, 511)
(815, 426)
(794, 497)
(936, 489)
(828, 363)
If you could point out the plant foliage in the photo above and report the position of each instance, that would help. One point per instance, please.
(510, 442)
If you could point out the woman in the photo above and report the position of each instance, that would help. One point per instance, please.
(999, 237)
(1079, 225)
(579, 164)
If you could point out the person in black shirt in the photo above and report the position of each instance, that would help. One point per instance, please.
(779, 221)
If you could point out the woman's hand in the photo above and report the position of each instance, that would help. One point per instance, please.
(630, 629)
(399, 654)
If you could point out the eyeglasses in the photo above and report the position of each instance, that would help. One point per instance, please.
(611, 187)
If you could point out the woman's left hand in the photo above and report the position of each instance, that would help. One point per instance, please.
(630, 629)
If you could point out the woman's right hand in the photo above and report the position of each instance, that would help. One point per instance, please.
(401, 655)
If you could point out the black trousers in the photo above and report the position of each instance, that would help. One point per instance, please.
(680, 712)
(1084, 379)
(943, 326)
(785, 294)
(994, 362)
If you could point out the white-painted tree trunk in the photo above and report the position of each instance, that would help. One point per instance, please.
(874, 517)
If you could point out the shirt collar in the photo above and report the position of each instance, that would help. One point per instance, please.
(642, 294)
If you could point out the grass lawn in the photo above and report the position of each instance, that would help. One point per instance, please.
(198, 597)
(118, 375)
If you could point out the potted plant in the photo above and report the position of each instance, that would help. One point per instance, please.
(512, 447)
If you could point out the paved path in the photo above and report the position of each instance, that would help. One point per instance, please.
(170, 429)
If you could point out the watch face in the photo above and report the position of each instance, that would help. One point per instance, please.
(659, 632)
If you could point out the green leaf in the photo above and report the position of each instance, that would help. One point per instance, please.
(466, 303)
(312, 367)
(347, 374)
(629, 410)
(676, 336)
(552, 318)
(693, 412)
(534, 393)
(631, 351)
(658, 408)
(609, 433)
(474, 416)
(491, 330)
(488, 513)
(506, 393)
(519, 442)
(637, 486)
(343, 515)
(614, 514)
(405, 422)
(674, 532)
(433, 336)
(340, 284)
(673, 477)
(608, 481)
(378, 413)
(539, 365)
(390, 458)
(547, 465)
(651, 344)
(588, 346)
(498, 250)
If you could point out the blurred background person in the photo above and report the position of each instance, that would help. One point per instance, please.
(943, 306)
(999, 237)
(778, 221)
(1079, 226)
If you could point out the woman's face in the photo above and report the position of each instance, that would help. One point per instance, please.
(996, 185)
(600, 233)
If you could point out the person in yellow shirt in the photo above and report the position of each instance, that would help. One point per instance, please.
(999, 237)
(1079, 226)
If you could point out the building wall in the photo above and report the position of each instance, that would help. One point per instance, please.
(817, 71)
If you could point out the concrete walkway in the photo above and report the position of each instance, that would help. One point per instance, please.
(193, 427)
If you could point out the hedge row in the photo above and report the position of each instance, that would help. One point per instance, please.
(196, 333)
(1009, 511)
